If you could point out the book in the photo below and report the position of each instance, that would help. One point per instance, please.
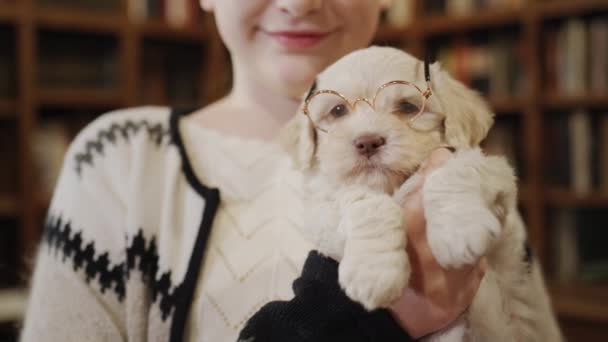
(51, 141)
(177, 14)
(494, 67)
(72, 60)
(603, 153)
(400, 13)
(564, 246)
(7, 73)
(502, 141)
(598, 59)
(575, 46)
(558, 157)
(578, 246)
(581, 138)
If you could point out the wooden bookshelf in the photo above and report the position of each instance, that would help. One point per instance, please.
(8, 14)
(13, 304)
(491, 19)
(79, 21)
(79, 98)
(392, 34)
(130, 39)
(8, 108)
(8, 206)
(156, 28)
(584, 302)
(508, 105)
(561, 102)
(563, 9)
(567, 198)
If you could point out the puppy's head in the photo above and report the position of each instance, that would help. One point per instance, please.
(380, 147)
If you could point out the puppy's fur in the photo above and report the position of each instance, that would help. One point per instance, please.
(470, 202)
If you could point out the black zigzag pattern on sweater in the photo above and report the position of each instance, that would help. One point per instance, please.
(143, 256)
(156, 132)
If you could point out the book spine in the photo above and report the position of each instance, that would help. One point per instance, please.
(580, 130)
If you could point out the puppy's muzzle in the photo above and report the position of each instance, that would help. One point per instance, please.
(367, 145)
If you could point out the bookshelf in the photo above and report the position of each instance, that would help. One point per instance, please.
(141, 46)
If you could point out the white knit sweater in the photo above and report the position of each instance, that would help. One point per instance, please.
(127, 224)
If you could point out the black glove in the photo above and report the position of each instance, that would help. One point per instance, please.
(320, 312)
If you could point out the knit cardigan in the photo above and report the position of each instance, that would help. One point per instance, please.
(119, 260)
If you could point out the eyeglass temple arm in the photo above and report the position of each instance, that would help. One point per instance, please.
(427, 72)
(427, 59)
(311, 90)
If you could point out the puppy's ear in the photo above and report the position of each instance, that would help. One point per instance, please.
(468, 117)
(299, 140)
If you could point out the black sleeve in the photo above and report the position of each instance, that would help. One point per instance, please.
(320, 312)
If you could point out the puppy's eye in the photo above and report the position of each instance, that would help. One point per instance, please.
(339, 111)
(407, 108)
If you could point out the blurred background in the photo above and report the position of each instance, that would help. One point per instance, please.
(543, 65)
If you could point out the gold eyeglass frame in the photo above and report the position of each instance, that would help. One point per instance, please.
(425, 94)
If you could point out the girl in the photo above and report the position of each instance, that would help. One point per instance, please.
(179, 225)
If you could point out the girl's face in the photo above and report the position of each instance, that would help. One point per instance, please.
(282, 44)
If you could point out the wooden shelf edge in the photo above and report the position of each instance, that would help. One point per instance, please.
(557, 101)
(567, 198)
(12, 304)
(67, 19)
(9, 205)
(8, 14)
(388, 33)
(502, 105)
(439, 24)
(80, 98)
(8, 108)
(585, 302)
(557, 9)
(158, 28)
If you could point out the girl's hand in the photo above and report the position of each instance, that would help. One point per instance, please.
(435, 296)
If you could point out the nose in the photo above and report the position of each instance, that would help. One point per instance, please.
(367, 145)
(299, 8)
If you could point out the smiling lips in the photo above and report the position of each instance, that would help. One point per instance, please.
(298, 39)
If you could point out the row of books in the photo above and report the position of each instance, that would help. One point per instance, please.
(400, 14)
(576, 57)
(172, 75)
(85, 5)
(466, 7)
(69, 60)
(8, 253)
(494, 67)
(577, 151)
(505, 139)
(177, 13)
(578, 247)
(7, 76)
(9, 181)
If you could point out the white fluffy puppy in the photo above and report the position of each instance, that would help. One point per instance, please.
(358, 154)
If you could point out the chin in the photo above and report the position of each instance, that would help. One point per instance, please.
(294, 72)
(379, 178)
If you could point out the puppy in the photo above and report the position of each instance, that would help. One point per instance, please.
(358, 145)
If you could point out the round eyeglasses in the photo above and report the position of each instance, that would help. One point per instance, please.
(326, 108)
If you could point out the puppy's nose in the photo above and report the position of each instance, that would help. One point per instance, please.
(369, 144)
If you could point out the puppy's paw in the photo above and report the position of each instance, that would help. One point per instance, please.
(374, 279)
(460, 225)
(460, 233)
(375, 267)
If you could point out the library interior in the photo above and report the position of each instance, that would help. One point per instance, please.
(541, 64)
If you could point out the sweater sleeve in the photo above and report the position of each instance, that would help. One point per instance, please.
(77, 289)
(320, 312)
